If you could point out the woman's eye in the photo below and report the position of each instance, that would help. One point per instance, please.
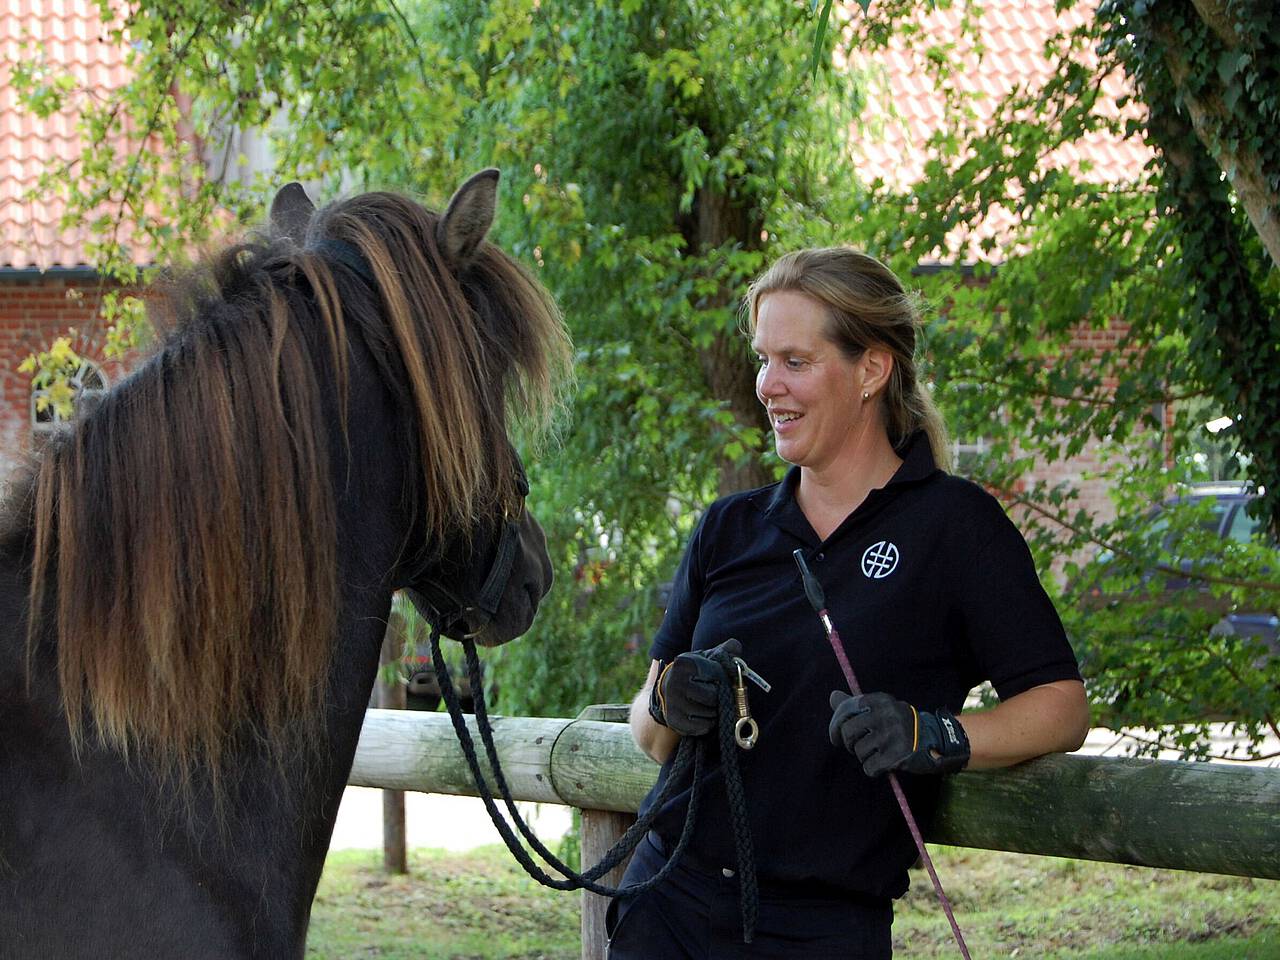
(794, 364)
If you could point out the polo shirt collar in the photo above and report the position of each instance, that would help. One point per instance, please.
(917, 460)
(917, 465)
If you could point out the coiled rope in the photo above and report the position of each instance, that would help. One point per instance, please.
(690, 750)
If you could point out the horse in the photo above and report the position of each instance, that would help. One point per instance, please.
(196, 576)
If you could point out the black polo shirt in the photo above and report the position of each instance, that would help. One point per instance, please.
(932, 589)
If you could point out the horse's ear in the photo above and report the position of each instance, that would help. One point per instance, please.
(468, 217)
(291, 212)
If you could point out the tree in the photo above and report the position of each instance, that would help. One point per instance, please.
(659, 151)
(653, 153)
(657, 154)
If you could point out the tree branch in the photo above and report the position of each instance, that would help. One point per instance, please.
(1088, 537)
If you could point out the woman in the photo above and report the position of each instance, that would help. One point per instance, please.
(932, 589)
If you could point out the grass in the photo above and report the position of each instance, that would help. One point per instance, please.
(1009, 905)
(481, 906)
(473, 906)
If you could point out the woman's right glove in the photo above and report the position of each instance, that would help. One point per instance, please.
(685, 695)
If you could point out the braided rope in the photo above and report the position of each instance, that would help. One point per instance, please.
(629, 840)
(748, 887)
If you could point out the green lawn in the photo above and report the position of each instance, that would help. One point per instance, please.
(480, 906)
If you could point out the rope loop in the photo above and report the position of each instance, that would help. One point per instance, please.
(573, 880)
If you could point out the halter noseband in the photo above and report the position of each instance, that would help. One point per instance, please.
(445, 609)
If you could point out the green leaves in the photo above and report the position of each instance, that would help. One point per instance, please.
(656, 155)
(820, 33)
(1115, 325)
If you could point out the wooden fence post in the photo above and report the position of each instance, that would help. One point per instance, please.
(391, 696)
(601, 829)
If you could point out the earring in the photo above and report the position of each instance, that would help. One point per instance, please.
(866, 395)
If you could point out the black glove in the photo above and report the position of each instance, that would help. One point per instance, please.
(887, 734)
(684, 697)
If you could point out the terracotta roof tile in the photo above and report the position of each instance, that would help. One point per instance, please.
(74, 41)
(901, 119)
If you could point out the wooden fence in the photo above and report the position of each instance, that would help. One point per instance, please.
(1210, 818)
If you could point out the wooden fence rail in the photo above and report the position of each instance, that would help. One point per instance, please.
(1210, 818)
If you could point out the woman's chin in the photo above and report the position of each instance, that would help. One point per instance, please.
(788, 451)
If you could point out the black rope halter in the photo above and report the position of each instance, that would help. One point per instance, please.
(691, 750)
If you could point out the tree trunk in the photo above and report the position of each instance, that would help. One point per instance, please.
(717, 219)
(1234, 351)
(1210, 116)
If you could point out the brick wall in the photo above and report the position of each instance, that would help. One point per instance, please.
(33, 312)
(1075, 471)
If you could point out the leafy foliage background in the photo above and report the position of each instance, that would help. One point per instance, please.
(658, 153)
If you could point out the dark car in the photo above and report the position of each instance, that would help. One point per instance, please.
(1227, 517)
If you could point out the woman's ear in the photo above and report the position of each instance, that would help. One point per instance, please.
(877, 366)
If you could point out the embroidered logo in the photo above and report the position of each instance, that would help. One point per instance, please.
(880, 560)
(951, 731)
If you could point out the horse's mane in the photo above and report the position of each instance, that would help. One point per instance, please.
(182, 534)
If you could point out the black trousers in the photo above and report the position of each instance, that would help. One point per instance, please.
(696, 915)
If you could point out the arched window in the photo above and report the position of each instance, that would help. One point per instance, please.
(88, 385)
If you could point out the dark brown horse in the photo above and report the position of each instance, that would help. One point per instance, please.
(196, 578)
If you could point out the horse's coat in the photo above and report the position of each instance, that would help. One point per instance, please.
(210, 556)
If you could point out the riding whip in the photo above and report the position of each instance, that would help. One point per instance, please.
(813, 591)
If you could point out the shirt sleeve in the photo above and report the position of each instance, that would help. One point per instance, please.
(675, 636)
(1014, 632)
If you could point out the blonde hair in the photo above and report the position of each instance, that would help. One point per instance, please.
(866, 306)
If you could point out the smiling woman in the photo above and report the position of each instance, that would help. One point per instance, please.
(818, 399)
(932, 586)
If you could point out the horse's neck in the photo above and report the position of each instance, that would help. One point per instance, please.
(99, 859)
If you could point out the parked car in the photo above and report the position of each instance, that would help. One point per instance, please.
(1228, 518)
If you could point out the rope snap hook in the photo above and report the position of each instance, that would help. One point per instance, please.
(745, 731)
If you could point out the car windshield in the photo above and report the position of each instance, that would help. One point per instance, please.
(1211, 523)
(1243, 526)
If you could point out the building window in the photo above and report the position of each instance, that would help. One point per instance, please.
(967, 454)
(973, 427)
(88, 385)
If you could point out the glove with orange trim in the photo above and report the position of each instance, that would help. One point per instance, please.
(887, 734)
(685, 695)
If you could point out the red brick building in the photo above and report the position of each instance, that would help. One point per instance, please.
(904, 109)
(47, 287)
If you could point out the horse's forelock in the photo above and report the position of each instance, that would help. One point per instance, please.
(460, 371)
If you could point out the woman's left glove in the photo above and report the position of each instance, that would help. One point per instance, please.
(887, 734)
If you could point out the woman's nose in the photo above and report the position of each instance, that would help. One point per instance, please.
(768, 384)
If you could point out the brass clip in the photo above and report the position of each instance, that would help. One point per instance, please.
(745, 731)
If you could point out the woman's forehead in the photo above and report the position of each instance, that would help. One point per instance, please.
(788, 321)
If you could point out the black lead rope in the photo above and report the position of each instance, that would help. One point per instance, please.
(691, 749)
(748, 890)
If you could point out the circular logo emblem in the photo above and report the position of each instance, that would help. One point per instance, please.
(879, 560)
